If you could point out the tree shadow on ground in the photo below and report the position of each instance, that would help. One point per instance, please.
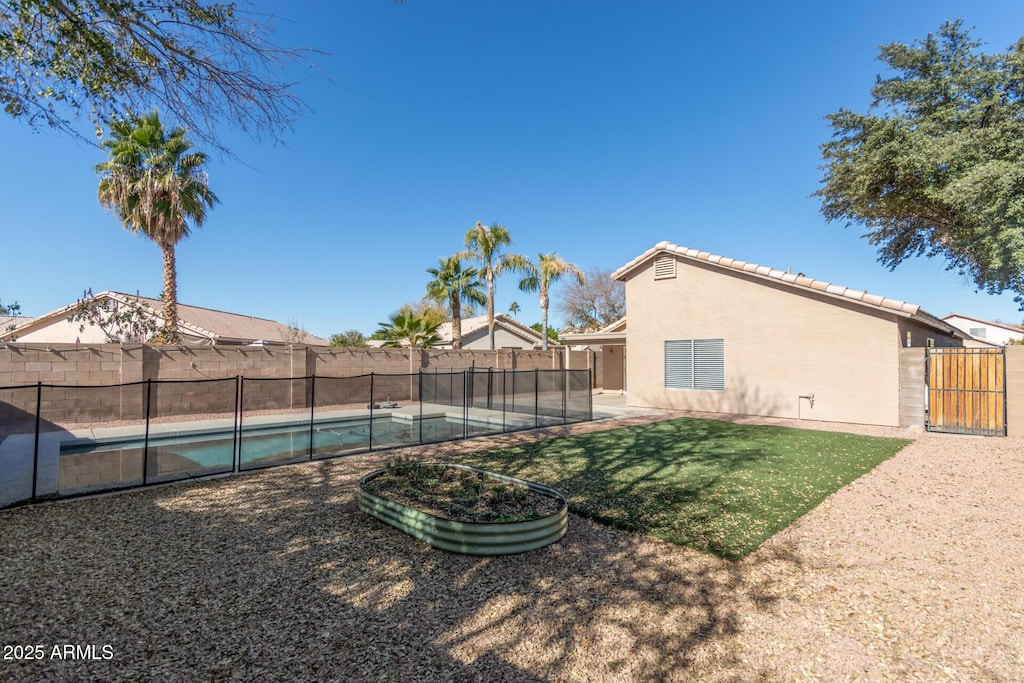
(276, 575)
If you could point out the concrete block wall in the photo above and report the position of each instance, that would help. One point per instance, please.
(1015, 391)
(86, 372)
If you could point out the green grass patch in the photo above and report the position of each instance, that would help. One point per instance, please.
(714, 486)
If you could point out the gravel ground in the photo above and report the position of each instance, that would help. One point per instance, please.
(913, 572)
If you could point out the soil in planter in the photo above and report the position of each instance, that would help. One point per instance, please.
(459, 495)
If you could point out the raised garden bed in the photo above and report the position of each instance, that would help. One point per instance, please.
(464, 509)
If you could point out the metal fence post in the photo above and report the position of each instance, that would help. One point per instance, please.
(536, 397)
(590, 395)
(145, 447)
(369, 443)
(421, 403)
(504, 397)
(312, 412)
(35, 450)
(565, 393)
(490, 388)
(235, 435)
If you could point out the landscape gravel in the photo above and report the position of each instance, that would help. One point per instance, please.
(911, 573)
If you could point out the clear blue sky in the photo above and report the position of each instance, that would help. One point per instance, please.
(592, 128)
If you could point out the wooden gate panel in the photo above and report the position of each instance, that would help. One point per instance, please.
(967, 391)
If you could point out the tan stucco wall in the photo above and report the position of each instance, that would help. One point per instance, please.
(780, 343)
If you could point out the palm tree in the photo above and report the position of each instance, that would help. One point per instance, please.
(156, 188)
(416, 331)
(484, 244)
(549, 269)
(452, 284)
(514, 308)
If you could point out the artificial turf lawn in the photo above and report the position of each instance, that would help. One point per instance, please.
(714, 486)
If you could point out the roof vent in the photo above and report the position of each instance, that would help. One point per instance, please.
(664, 267)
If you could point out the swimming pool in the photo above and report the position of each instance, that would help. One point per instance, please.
(214, 451)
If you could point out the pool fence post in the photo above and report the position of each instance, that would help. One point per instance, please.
(237, 426)
(490, 388)
(590, 395)
(565, 393)
(241, 414)
(467, 378)
(35, 449)
(312, 413)
(145, 447)
(536, 397)
(504, 397)
(420, 390)
(369, 443)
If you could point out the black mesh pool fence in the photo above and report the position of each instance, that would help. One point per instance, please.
(60, 441)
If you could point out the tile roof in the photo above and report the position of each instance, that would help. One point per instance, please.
(798, 280)
(220, 324)
(470, 325)
(196, 321)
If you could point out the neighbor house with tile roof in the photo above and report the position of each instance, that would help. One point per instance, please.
(197, 326)
(986, 331)
(508, 334)
(712, 333)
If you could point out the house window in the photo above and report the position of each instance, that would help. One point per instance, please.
(664, 267)
(978, 332)
(695, 364)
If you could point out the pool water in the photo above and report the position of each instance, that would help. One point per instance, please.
(214, 451)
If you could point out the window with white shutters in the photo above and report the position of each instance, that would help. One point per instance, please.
(679, 364)
(695, 364)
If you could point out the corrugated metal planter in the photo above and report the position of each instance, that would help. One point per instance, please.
(470, 538)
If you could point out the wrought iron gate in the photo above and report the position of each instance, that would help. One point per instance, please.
(966, 391)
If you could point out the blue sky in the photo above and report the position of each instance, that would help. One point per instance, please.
(592, 128)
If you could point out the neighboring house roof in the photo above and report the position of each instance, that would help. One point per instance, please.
(797, 281)
(477, 323)
(13, 321)
(196, 323)
(988, 323)
(614, 333)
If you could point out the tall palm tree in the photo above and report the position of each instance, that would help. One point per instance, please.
(452, 284)
(514, 308)
(416, 331)
(484, 244)
(549, 269)
(156, 187)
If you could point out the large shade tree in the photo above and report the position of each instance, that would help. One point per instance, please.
(452, 284)
(936, 166)
(595, 303)
(485, 244)
(158, 188)
(203, 63)
(549, 269)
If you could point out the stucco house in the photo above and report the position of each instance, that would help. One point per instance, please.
(508, 334)
(609, 343)
(197, 326)
(715, 334)
(986, 331)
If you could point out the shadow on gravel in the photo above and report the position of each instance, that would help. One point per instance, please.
(278, 576)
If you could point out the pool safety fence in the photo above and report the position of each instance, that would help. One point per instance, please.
(60, 441)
